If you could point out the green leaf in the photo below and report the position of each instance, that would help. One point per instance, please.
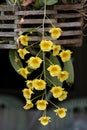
(38, 3)
(52, 80)
(20, 1)
(51, 2)
(54, 60)
(15, 60)
(68, 66)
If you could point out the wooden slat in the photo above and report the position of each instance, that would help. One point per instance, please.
(7, 26)
(7, 46)
(7, 34)
(30, 29)
(8, 17)
(35, 21)
(71, 42)
(68, 7)
(67, 42)
(35, 12)
(69, 24)
(72, 33)
(75, 42)
(68, 15)
(64, 33)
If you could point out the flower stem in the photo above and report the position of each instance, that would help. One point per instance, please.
(44, 17)
(44, 70)
(51, 82)
(37, 97)
(49, 61)
(50, 22)
(44, 113)
(53, 104)
(44, 67)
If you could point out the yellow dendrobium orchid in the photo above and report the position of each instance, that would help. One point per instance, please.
(24, 39)
(34, 62)
(65, 55)
(22, 52)
(27, 93)
(46, 45)
(63, 96)
(28, 105)
(44, 120)
(24, 72)
(55, 32)
(29, 84)
(54, 70)
(44, 65)
(41, 104)
(56, 49)
(61, 112)
(63, 75)
(56, 91)
(39, 84)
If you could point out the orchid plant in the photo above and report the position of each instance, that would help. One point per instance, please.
(45, 70)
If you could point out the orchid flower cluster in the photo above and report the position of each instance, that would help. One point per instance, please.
(43, 83)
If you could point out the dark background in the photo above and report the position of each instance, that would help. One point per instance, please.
(10, 81)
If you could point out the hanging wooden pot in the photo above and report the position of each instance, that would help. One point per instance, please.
(67, 17)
